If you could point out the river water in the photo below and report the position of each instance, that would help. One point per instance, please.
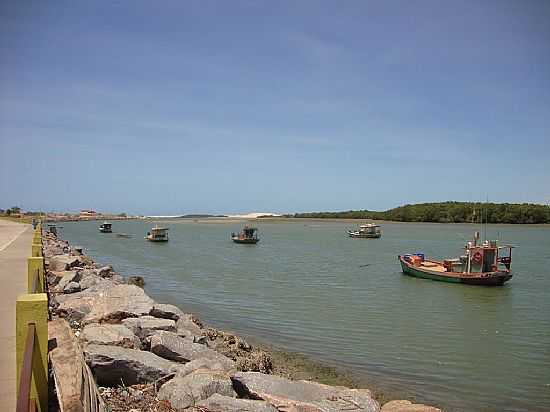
(307, 287)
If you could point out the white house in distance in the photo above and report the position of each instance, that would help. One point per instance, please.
(88, 214)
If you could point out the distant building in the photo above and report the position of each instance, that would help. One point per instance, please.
(88, 214)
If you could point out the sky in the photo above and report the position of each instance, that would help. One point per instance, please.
(205, 106)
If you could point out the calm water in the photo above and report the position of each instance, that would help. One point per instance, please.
(307, 287)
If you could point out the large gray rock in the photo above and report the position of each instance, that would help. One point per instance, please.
(173, 347)
(303, 395)
(184, 392)
(63, 262)
(72, 287)
(219, 402)
(104, 271)
(119, 302)
(186, 326)
(90, 280)
(68, 277)
(113, 365)
(204, 363)
(166, 311)
(145, 326)
(105, 302)
(108, 334)
(136, 280)
(407, 406)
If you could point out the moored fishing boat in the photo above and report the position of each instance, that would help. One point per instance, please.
(106, 227)
(486, 264)
(249, 235)
(157, 234)
(367, 231)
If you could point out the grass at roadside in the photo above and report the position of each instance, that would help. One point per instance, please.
(25, 219)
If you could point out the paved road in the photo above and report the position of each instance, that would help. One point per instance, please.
(15, 248)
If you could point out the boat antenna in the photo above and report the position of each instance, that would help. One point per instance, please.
(486, 216)
(481, 220)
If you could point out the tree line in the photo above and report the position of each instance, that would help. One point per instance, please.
(448, 212)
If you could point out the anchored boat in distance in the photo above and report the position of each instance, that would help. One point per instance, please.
(366, 231)
(106, 227)
(485, 264)
(157, 234)
(249, 235)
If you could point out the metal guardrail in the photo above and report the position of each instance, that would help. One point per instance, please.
(24, 402)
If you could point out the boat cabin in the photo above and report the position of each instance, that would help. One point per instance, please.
(246, 235)
(106, 227)
(158, 234)
(485, 257)
(370, 229)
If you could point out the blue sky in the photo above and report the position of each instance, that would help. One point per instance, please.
(200, 106)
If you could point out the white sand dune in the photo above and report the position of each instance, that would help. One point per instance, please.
(254, 215)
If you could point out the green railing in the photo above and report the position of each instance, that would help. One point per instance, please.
(31, 334)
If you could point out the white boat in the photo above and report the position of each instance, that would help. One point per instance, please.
(106, 227)
(157, 234)
(367, 231)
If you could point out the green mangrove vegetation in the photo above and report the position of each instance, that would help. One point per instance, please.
(448, 212)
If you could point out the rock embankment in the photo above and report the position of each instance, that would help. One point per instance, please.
(153, 356)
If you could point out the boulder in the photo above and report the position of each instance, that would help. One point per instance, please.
(72, 287)
(166, 311)
(65, 356)
(117, 278)
(107, 334)
(51, 250)
(104, 271)
(145, 326)
(184, 392)
(89, 281)
(113, 365)
(173, 347)
(407, 406)
(119, 302)
(219, 402)
(63, 262)
(204, 363)
(136, 280)
(187, 325)
(105, 301)
(302, 395)
(68, 277)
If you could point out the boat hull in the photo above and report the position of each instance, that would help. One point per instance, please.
(156, 240)
(497, 278)
(245, 241)
(106, 230)
(364, 235)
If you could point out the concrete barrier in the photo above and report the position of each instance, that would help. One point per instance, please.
(35, 277)
(33, 308)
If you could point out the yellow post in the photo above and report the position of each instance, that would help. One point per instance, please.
(36, 250)
(33, 309)
(35, 268)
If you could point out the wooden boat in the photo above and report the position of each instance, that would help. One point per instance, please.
(486, 264)
(249, 235)
(157, 234)
(367, 231)
(106, 227)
